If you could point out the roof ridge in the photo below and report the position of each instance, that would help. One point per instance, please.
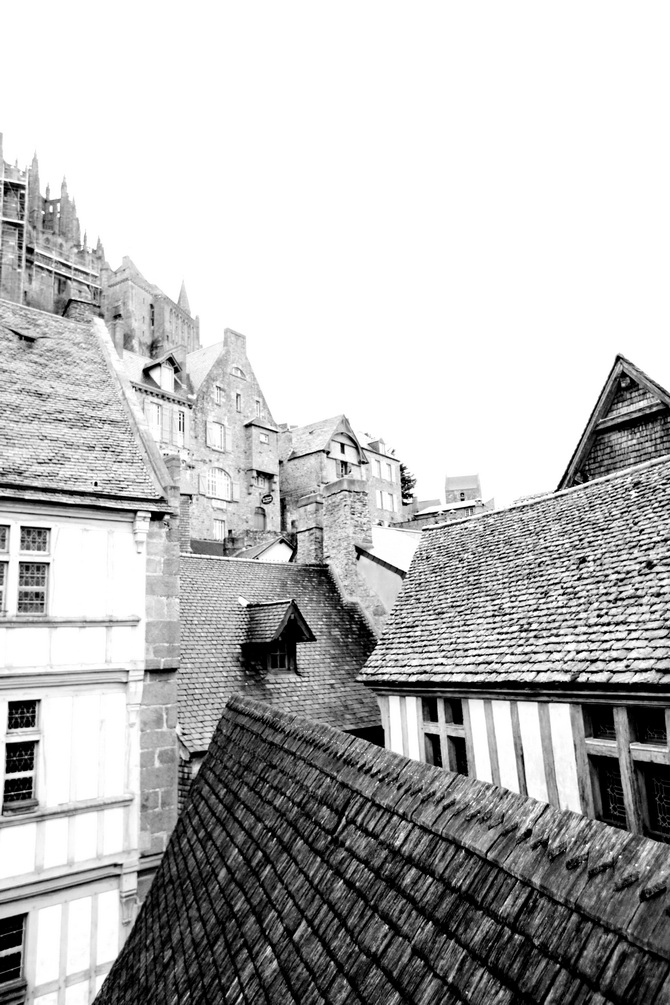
(254, 561)
(558, 493)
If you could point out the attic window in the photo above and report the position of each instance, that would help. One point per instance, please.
(274, 630)
(238, 372)
(281, 656)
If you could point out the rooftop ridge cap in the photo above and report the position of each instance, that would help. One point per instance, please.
(254, 561)
(535, 816)
(47, 314)
(585, 486)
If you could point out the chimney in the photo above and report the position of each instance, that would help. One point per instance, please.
(310, 529)
(346, 523)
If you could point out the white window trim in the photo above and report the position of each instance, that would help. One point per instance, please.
(7, 737)
(13, 557)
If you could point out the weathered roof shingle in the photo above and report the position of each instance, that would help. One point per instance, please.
(310, 866)
(570, 588)
(215, 625)
(64, 424)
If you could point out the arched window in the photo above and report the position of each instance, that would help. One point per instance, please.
(260, 519)
(219, 484)
(238, 372)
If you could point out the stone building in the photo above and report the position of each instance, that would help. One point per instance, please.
(315, 455)
(44, 260)
(89, 647)
(142, 318)
(462, 488)
(311, 866)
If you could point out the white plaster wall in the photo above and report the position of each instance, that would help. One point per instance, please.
(529, 725)
(502, 720)
(95, 572)
(480, 743)
(565, 763)
(395, 724)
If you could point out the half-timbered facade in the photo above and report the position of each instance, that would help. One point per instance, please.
(88, 633)
(531, 647)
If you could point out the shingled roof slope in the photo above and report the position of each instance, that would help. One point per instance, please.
(316, 436)
(313, 867)
(570, 588)
(215, 625)
(64, 425)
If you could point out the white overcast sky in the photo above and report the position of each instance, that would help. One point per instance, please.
(442, 219)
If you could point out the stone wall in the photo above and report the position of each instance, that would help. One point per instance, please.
(310, 529)
(158, 712)
(242, 455)
(299, 477)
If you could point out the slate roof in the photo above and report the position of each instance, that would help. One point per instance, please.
(200, 362)
(267, 622)
(215, 625)
(316, 436)
(312, 867)
(136, 367)
(259, 549)
(393, 546)
(65, 426)
(570, 588)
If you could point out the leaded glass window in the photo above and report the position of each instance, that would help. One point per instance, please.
(32, 597)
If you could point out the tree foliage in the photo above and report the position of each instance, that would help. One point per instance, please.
(407, 483)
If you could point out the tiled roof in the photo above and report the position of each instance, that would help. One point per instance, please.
(316, 436)
(570, 588)
(215, 625)
(64, 425)
(259, 549)
(200, 362)
(314, 867)
(267, 622)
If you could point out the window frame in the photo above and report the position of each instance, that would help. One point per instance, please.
(219, 523)
(13, 558)
(12, 737)
(635, 760)
(278, 650)
(446, 729)
(218, 394)
(238, 401)
(213, 489)
(15, 984)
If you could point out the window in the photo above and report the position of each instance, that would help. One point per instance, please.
(154, 414)
(219, 530)
(378, 468)
(264, 438)
(181, 427)
(343, 468)
(390, 502)
(343, 448)
(389, 472)
(461, 496)
(219, 484)
(238, 402)
(238, 372)
(260, 519)
(379, 495)
(23, 580)
(444, 734)
(258, 409)
(281, 656)
(629, 765)
(12, 938)
(152, 315)
(262, 481)
(20, 756)
(216, 435)
(218, 394)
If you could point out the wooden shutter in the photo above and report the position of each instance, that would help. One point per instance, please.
(166, 423)
(229, 438)
(236, 491)
(202, 483)
(209, 436)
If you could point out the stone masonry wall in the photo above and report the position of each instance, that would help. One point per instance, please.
(299, 477)
(158, 713)
(346, 522)
(310, 529)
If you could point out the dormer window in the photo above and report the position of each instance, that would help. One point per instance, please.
(275, 629)
(167, 377)
(237, 371)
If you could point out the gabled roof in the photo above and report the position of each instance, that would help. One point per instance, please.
(622, 366)
(200, 362)
(310, 866)
(137, 367)
(570, 589)
(315, 437)
(215, 626)
(167, 357)
(66, 425)
(393, 547)
(260, 549)
(270, 620)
